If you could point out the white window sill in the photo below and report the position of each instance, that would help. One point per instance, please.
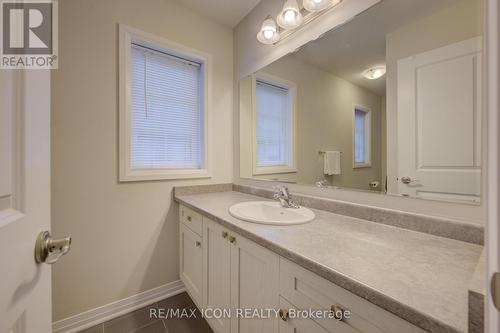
(163, 174)
(361, 165)
(273, 170)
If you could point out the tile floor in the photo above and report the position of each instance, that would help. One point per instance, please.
(139, 321)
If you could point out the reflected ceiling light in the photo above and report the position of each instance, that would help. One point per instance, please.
(290, 16)
(374, 72)
(268, 34)
(318, 5)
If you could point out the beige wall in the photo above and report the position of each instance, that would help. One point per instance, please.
(324, 122)
(125, 236)
(451, 25)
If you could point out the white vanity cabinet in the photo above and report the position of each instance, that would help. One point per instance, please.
(239, 274)
(223, 270)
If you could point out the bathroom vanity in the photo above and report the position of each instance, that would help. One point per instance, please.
(372, 277)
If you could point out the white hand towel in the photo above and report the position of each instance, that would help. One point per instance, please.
(332, 163)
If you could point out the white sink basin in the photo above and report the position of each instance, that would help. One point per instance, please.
(270, 212)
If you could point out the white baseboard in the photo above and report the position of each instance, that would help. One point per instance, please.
(112, 310)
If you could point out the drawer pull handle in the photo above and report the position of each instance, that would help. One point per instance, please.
(224, 234)
(198, 243)
(232, 239)
(189, 218)
(338, 312)
(283, 314)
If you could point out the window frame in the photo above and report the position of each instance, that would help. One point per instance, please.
(292, 101)
(127, 36)
(368, 137)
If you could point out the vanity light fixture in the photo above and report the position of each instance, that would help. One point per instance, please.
(290, 16)
(375, 72)
(318, 5)
(269, 33)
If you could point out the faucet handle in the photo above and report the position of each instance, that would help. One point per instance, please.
(281, 189)
(277, 191)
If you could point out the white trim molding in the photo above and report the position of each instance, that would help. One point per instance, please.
(113, 310)
(127, 36)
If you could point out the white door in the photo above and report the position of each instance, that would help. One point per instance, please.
(439, 123)
(25, 287)
(216, 273)
(254, 285)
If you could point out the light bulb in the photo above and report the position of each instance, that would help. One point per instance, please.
(289, 16)
(268, 34)
(318, 1)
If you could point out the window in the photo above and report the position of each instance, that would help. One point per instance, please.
(362, 137)
(274, 126)
(163, 93)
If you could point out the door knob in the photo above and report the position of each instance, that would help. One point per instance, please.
(284, 314)
(338, 312)
(407, 180)
(495, 290)
(49, 250)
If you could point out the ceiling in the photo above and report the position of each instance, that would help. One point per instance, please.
(360, 44)
(225, 12)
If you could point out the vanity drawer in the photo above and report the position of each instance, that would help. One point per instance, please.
(306, 290)
(191, 219)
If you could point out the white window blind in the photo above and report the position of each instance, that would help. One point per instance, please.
(361, 139)
(166, 113)
(273, 125)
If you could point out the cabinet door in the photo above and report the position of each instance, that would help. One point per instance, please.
(216, 273)
(191, 263)
(254, 285)
(297, 325)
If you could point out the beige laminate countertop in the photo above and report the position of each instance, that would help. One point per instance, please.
(421, 278)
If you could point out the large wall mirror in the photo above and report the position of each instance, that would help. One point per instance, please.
(390, 102)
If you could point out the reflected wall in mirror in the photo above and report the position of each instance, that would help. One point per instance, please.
(390, 102)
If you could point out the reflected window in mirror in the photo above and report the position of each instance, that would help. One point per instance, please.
(362, 137)
(274, 131)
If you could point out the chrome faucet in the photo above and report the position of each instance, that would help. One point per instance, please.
(322, 183)
(281, 193)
